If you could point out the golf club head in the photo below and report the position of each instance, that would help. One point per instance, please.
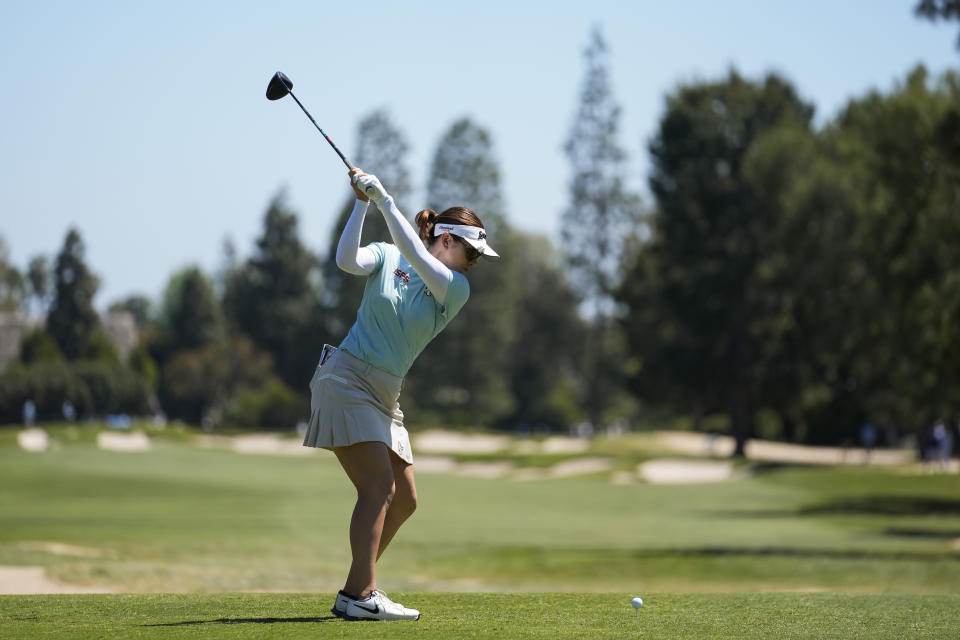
(279, 86)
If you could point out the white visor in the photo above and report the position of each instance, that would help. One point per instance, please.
(475, 236)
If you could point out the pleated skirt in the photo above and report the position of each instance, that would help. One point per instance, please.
(352, 401)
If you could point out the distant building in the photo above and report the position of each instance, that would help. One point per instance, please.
(119, 328)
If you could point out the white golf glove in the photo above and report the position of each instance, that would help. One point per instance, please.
(372, 187)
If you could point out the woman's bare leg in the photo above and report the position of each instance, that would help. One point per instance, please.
(404, 501)
(369, 466)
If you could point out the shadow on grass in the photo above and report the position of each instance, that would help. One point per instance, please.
(936, 534)
(188, 623)
(859, 505)
(551, 559)
(888, 506)
(796, 552)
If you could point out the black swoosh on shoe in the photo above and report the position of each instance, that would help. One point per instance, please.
(376, 608)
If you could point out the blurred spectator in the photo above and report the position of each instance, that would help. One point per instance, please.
(868, 439)
(29, 413)
(941, 445)
(69, 413)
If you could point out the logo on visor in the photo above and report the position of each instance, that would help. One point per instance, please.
(483, 235)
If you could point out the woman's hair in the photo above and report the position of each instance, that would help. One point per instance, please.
(427, 218)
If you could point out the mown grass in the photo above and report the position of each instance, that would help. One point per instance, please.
(787, 552)
(180, 518)
(487, 615)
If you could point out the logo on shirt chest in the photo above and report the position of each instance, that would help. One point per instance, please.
(404, 277)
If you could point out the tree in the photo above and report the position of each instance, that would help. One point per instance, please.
(272, 297)
(599, 224)
(12, 284)
(808, 286)
(38, 278)
(142, 364)
(94, 388)
(38, 346)
(693, 293)
(381, 150)
(459, 377)
(200, 383)
(72, 319)
(934, 10)
(272, 405)
(190, 316)
(901, 150)
(548, 339)
(602, 214)
(463, 172)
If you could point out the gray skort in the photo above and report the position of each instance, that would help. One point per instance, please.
(352, 401)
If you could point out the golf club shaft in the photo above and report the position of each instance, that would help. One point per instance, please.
(325, 136)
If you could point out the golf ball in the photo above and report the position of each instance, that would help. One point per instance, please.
(637, 603)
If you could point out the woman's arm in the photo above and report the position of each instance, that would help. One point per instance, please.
(351, 257)
(435, 274)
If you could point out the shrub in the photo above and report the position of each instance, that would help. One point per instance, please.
(94, 388)
(274, 406)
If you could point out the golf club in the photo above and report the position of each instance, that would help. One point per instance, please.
(280, 85)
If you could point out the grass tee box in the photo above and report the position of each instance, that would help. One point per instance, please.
(546, 616)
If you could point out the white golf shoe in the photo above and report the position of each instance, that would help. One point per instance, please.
(379, 607)
(340, 605)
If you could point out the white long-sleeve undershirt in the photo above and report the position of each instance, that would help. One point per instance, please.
(436, 275)
(353, 258)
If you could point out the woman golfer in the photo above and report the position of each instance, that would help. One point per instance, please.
(414, 289)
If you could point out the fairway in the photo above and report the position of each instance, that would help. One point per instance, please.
(781, 551)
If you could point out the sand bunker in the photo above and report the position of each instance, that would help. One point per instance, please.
(136, 441)
(33, 440)
(553, 444)
(701, 444)
(670, 471)
(507, 469)
(436, 441)
(34, 580)
(445, 464)
(61, 549)
(271, 444)
(575, 467)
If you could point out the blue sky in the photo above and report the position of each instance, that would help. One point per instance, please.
(144, 124)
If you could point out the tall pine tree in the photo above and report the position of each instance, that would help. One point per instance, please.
(601, 219)
(272, 297)
(72, 320)
(602, 214)
(191, 315)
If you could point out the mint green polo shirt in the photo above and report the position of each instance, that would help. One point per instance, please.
(398, 315)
